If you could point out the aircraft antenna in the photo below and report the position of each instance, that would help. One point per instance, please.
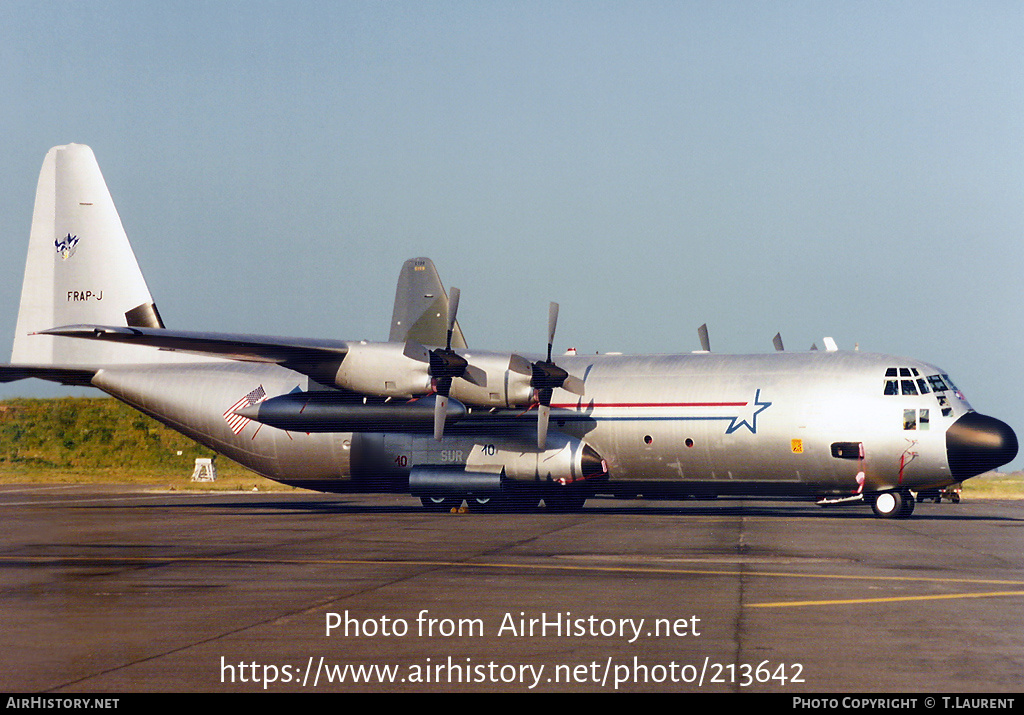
(702, 333)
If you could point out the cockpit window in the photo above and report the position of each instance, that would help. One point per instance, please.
(937, 384)
(911, 384)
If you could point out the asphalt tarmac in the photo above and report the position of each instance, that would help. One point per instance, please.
(108, 589)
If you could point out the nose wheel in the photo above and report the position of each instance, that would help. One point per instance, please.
(893, 504)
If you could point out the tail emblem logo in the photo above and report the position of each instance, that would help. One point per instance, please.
(66, 247)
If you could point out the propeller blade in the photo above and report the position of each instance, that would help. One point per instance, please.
(453, 309)
(543, 415)
(574, 385)
(475, 375)
(415, 351)
(519, 364)
(440, 412)
(552, 324)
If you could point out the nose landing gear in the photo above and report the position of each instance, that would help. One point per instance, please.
(893, 504)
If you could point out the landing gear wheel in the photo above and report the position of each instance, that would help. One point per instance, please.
(888, 505)
(441, 504)
(486, 504)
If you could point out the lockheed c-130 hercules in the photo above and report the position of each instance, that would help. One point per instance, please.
(421, 413)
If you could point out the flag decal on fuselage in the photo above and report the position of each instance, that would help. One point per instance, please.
(237, 423)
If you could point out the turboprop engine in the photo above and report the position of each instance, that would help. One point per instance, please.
(482, 379)
(405, 370)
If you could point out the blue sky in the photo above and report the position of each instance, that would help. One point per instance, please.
(844, 169)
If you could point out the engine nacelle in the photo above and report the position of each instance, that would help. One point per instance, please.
(501, 387)
(384, 370)
(566, 461)
(403, 370)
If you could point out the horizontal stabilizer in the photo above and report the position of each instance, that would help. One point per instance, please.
(65, 374)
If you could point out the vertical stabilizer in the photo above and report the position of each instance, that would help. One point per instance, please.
(421, 307)
(80, 268)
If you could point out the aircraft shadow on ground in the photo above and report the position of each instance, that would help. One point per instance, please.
(234, 504)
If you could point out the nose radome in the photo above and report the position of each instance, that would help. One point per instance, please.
(976, 443)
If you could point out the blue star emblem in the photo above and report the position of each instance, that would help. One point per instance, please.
(748, 417)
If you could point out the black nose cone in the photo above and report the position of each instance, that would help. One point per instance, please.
(976, 443)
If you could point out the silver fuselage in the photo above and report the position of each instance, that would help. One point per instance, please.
(664, 424)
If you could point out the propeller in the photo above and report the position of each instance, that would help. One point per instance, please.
(545, 376)
(444, 366)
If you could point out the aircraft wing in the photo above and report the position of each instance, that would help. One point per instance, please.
(301, 355)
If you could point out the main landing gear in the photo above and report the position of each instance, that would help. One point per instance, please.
(516, 501)
(893, 504)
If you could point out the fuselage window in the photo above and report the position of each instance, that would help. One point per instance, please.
(909, 419)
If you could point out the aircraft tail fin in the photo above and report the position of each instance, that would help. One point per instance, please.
(421, 307)
(80, 268)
